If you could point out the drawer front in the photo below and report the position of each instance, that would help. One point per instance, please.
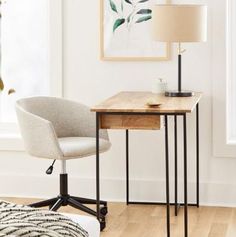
(141, 122)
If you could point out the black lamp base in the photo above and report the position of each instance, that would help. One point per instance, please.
(179, 93)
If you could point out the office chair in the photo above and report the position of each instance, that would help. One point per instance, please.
(59, 129)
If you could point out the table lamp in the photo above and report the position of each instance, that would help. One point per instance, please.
(179, 23)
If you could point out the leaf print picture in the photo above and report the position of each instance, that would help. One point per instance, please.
(137, 13)
(125, 31)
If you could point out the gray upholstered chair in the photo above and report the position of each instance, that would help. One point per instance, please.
(58, 129)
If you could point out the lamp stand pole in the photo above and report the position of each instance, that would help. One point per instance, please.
(179, 72)
(180, 92)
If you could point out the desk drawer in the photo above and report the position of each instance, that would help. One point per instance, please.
(148, 122)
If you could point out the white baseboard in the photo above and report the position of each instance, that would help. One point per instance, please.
(211, 194)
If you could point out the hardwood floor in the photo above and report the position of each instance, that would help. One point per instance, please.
(149, 221)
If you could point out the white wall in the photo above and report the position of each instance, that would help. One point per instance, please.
(89, 80)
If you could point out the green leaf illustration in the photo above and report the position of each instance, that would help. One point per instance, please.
(144, 18)
(141, 1)
(144, 11)
(122, 5)
(128, 1)
(113, 6)
(118, 23)
(129, 18)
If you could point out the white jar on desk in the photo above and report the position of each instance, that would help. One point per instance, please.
(159, 86)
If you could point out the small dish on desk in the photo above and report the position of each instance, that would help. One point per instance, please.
(153, 103)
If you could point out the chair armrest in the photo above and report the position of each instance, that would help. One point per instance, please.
(39, 136)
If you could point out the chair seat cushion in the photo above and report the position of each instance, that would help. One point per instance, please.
(79, 147)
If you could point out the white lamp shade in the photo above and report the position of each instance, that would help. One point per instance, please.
(179, 23)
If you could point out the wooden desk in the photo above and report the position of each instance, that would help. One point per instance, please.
(130, 101)
(129, 110)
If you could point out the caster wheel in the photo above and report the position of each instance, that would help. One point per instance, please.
(102, 225)
(103, 211)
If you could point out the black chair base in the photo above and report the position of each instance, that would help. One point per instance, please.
(76, 202)
(65, 199)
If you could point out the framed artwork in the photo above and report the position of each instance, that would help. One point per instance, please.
(125, 31)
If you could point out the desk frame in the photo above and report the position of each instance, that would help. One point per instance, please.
(101, 218)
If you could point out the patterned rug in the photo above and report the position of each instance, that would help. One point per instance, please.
(24, 221)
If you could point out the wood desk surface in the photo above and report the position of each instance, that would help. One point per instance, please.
(135, 101)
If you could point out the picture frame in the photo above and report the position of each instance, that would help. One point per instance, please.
(124, 40)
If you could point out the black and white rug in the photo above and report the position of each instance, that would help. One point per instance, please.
(24, 221)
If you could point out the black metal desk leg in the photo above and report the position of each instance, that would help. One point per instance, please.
(197, 155)
(185, 178)
(127, 167)
(167, 177)
(176, 165)
(97, 167)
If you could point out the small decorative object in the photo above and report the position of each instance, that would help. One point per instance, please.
(125, 31)
(153, 103)
(159, 86)
(179, 23)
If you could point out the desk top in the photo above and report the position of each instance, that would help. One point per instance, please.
(135, 101)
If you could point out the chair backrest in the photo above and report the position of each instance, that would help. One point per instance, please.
(68, 118)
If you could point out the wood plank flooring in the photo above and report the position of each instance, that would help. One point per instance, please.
(149, 221)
